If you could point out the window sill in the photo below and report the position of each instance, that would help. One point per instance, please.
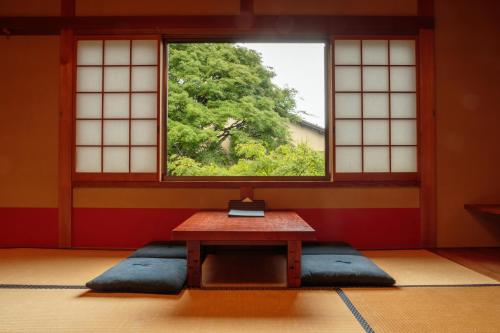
(254, 184)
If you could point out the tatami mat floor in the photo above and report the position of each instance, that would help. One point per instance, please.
(433, 294)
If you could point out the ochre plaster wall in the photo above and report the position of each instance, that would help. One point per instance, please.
(468, 119)
(29, 97)
(276, 198)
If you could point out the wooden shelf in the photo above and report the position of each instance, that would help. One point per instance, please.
(486, 209)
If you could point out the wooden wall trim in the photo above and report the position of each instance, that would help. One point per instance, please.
(66, 83)
(246, 6)
(428, 182)
(65, 136)
(314, 26)
(68, 8)
(426, 8)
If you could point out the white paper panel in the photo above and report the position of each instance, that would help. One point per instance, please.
(89, 79)
(144, 105)
(376, 105)
(403, 105)
(143, 159)
(89, 52)
(404, 159)
(88, 132)
(117, 52)
(375, 79)
(144, 78)
(376, 159)
(116, 78)
(347, 52)
(347, 105)
(88, 159)
(115, 159)
(347, 78)
(348, 159)
(88, 105)
(116, 105)
(376, 132)
(404, 132)
(116, 132)
(375, 52)
(143, 132)
(403, 79)
(402, 52)
(144, 52)
(348, 132)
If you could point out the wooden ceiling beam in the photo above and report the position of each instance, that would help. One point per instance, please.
(259, 25)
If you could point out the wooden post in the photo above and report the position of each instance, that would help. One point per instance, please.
(293, 264)
(428, 179)
(194, 263)
(246, 7)
(426, 8)
(246, 192)
(66, 82)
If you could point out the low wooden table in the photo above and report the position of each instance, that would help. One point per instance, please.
(216, 227)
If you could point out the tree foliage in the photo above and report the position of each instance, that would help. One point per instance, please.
(226, 117)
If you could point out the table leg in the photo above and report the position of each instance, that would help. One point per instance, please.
(294, 258)
(194, 264)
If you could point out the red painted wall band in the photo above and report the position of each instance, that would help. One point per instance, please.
(28, 227)
(364, 228)
(124, 227)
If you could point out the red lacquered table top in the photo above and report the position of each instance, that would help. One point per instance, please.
(217, 225)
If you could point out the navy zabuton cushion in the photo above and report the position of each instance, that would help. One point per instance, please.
(338, 264)
(143, 275)
(161, 249)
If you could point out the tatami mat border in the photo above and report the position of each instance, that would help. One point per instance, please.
(63, 286)
(40, 286)
(361, 320)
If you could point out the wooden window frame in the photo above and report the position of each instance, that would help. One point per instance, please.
(116, 176)
(246, 179)
(388, 177)
(331, 178)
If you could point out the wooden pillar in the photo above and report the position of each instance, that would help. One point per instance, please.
(426, 8)
(427, 130)
(246, 192)
(428, 178)
(246, 7)
(66, 83)
(194, 264)
(293, 264)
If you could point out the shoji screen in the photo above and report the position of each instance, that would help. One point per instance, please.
(116, 126)
(375, 106)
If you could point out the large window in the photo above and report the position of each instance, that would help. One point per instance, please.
(375, 94)
(116, 113)
(246, 109)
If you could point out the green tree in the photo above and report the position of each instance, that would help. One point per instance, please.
(221, 93)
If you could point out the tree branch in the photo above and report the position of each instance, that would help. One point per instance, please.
(227, 131)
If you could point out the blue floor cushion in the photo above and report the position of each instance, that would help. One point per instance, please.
(329, 248)
(338, 264)
(161, 250)
(143, 275)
